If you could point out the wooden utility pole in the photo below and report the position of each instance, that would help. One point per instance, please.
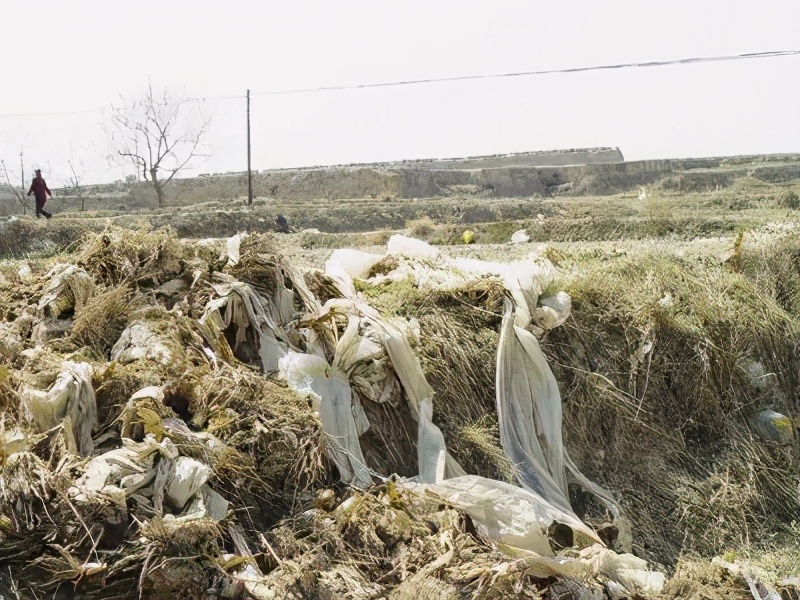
(249, 172)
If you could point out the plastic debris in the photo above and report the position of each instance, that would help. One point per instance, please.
(139, 341)
(312, 376)
(520, 237)
(512, 515)
(71, 401)
(772, 426)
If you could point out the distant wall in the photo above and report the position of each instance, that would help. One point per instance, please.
(551, 158)
(498, 176)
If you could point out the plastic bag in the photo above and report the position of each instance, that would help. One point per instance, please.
(70, 400)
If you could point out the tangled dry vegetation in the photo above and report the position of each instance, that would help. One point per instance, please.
(663, 366)
(89, 307)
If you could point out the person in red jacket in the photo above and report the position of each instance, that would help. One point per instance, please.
(40, 191)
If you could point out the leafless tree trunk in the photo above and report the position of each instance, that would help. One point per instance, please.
(158, 186)
(158, 135)
(75, 183)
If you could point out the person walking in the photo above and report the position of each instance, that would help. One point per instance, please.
(40, 191)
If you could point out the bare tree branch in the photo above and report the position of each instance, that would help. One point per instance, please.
(157, 135)
(18, 194)
(75, 184)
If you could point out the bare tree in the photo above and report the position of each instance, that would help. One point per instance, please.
(75, 184)
(159, 135)
(19, 193)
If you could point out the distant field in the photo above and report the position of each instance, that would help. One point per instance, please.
(701, 204)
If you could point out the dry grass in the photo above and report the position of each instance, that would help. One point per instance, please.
(773, 265)
(390, 542)
(249, 416)
(259, 263)
(9, 399)
(457, 349)
(653, 365)
(254, 417)
(140, 257)
(421, 228)
(114, 384)
(782, 559)
(99, 324)
(697, 578)
(28, 237)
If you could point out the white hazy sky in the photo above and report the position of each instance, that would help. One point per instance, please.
(79, 55)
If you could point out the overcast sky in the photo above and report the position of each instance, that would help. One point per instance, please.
(79, 55)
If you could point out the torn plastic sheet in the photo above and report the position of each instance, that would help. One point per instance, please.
(528, 399)
(361, 355)
(509, 514)
(128, 468)
(433, 460)
(346, 264)
(151, 470)
(520, 237)
(431, 448)
(266, 317)
(400, 245)
(552, 311)
(626, 574)
(359, 344)
(358, 358)
(529, 413)
(187, 479)
(232, 245)
(206, 504)
(530, 417)
(625, 569)
(70, 400)
(431, 269)
(312, 376)
(279, 304)
(65, 279)
(270, 320)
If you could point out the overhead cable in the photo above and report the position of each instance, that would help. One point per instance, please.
(630, 65)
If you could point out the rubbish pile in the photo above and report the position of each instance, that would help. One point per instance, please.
(204, 420)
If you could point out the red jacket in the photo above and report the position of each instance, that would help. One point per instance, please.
(39, 189)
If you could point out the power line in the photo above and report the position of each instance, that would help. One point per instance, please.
(632, 65)
(660, 63)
